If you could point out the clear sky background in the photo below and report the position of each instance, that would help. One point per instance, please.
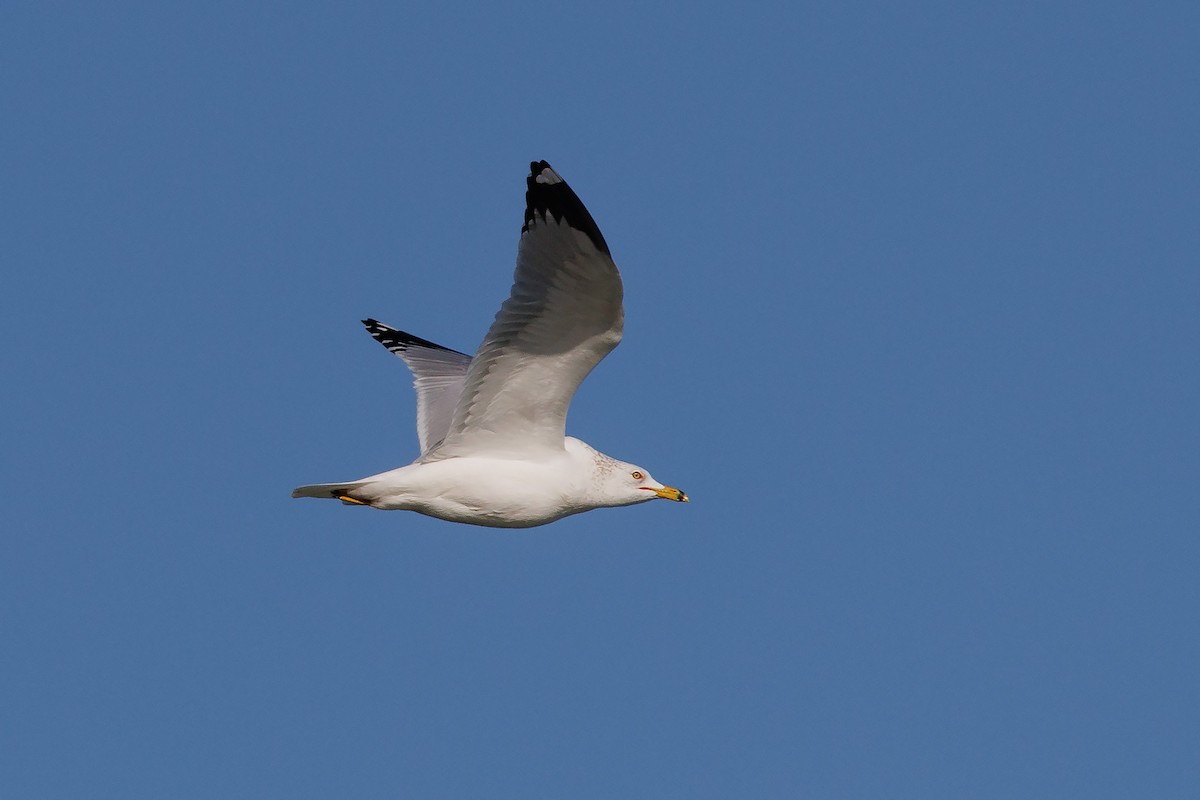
(912, 314)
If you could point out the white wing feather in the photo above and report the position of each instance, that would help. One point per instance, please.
(563, 316)
(438, 376)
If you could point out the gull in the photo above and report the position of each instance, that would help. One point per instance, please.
(492, 427)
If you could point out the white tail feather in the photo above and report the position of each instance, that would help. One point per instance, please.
(328, 491)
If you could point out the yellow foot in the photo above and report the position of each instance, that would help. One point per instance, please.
(350, 501)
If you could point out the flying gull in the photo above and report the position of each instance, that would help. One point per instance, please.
(492, 427)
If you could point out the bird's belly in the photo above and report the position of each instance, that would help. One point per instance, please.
(474, 512)
(499, 494)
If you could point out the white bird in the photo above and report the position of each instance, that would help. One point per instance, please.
(492, 428)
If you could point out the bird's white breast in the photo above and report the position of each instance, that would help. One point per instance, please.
(501, 492)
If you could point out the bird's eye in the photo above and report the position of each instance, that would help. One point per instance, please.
(637, 475)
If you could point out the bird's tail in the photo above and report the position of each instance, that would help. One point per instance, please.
(335, 491)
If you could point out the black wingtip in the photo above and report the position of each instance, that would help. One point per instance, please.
(548, 193)
(398, 341)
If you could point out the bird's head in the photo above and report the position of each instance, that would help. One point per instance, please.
(633, 484)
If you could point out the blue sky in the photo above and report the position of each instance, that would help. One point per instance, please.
(911, 298)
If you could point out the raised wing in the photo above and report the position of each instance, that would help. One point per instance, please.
(563, 316)
(438, 376)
